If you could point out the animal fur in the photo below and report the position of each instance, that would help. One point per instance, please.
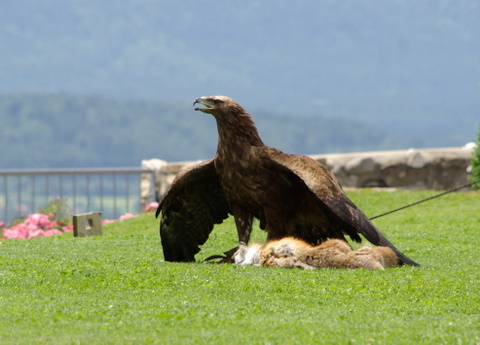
(294, 253)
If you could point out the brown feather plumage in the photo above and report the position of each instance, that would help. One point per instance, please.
(291, 195)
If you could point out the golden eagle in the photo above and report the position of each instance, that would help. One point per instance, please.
(291, 195)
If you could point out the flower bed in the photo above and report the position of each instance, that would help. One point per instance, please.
(42, 225)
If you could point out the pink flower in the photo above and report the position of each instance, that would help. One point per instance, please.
(13, 233)
(151, 206)
(37, 220)
(126, 216)
(51, 232)
(36, 225)
(67, 228)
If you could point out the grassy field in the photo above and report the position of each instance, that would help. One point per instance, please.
(116, 289)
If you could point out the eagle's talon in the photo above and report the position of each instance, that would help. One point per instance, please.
(227, 258)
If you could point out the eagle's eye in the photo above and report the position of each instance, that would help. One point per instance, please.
(217, 101)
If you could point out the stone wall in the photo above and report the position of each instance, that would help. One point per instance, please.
(441, 169)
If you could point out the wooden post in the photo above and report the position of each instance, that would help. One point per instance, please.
(87, 224)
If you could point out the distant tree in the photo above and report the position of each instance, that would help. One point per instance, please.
(476, 163)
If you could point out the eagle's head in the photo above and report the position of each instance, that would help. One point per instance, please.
(232, 120)
(218, 105)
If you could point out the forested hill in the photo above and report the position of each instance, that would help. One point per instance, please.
(38, 131)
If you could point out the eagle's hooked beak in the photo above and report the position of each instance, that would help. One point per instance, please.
(202, 101)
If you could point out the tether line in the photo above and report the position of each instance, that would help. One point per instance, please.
(429, 198)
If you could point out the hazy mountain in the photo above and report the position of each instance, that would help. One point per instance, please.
(407, 69)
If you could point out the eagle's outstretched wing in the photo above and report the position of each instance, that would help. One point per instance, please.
(193, 204)
(329, 192)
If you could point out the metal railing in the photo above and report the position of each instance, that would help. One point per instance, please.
(112, 191)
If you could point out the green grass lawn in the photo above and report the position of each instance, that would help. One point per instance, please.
(116, 289)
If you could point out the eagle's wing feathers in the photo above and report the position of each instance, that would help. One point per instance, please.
(193, 204)
(329, 192)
